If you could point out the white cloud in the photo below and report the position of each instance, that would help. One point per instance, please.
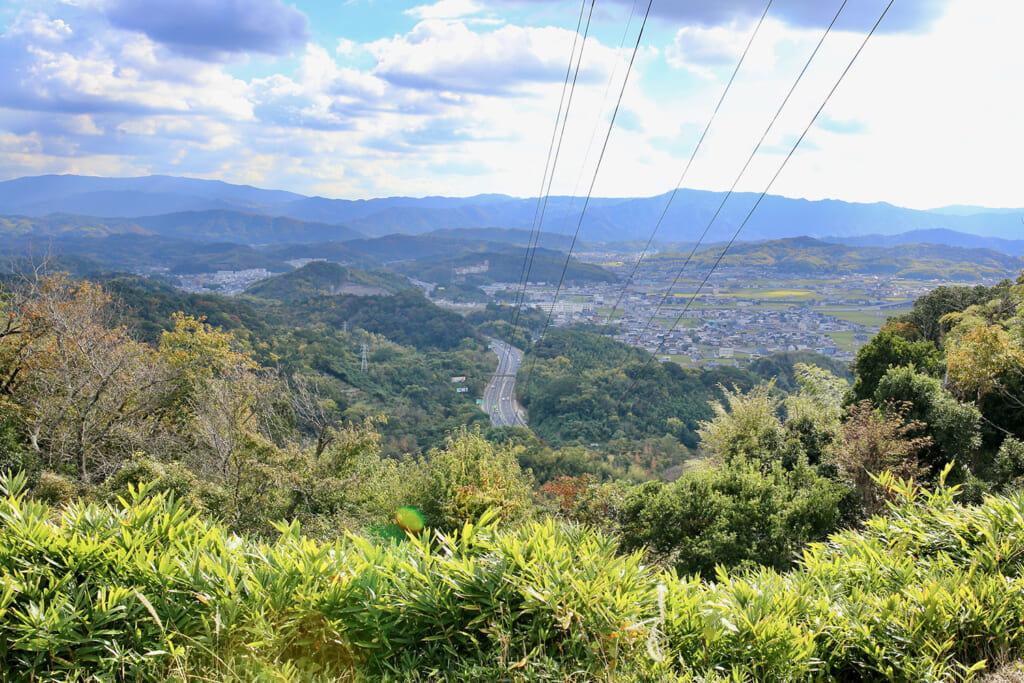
(445, 9)
(449, 56)
(454, 107)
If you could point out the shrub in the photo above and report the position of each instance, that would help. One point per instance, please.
(54, 489)
(149, 591)
(470, 476)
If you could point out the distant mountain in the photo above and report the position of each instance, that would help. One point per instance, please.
(320, 278)
(129, 197)
(205, 226)
(519, 238)
(947, 237)
(345, 211)
(964, 210)
(607, 219)
(243, 228)
(805, 255)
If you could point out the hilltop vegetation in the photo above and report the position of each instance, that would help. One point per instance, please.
(148, 591)
(406, 318)
(507, 266)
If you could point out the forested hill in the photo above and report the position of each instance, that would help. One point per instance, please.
(202, 226)
(407, 318)
(806, 255)
(319, 278)
(507, 266)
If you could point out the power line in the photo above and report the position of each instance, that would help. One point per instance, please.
(597, 121)
(549, 166)
(590, 190)
(739, 176)
(689, 162)
(775, 177)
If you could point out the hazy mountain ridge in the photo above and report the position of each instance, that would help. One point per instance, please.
(607, 219)
(214, 225)
(947, 237)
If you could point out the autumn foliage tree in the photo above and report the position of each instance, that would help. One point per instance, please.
(86, 394)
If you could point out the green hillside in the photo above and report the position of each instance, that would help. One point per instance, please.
(320, 278)
(808, 256)
(407, 318)
(507, 266)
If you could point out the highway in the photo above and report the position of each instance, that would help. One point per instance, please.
(499, 395)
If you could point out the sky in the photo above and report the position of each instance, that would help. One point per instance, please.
(367, 98)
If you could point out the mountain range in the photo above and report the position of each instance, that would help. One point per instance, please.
(207, 202)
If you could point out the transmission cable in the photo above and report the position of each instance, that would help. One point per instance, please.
(597, 122)
(527, 266)
(586, 156)
(775, 177)
(590, 190)
(689, 162)
(739, 176)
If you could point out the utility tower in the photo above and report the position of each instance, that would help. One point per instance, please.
(365, 365)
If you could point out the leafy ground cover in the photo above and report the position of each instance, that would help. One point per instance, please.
(146, 590)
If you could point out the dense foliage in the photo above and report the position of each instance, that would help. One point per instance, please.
(407, 318)
(437, 557)
(581, 386)
(507, 266)
(145, 590)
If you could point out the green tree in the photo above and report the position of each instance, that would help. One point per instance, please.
(985, 361)
(745, 425)
(735, 514)
(895, 345)
(930, 309)
(953, 429)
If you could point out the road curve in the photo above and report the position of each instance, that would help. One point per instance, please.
(499, 395)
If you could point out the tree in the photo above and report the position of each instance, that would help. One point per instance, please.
(985, 362)
(319, 412)
(88, 395)
(953, 429)
(895, 345)
(746, 425)
(814, 413)
(930, 309)
(735, 514)
(875, 442)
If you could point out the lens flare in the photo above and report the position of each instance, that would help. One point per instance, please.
(409, 519)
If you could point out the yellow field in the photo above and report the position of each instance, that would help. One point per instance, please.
(803, 294)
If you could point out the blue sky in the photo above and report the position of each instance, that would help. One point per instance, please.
(365, 98)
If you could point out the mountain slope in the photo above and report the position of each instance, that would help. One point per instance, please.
(204, 226)
(947, 237)
(320, 278)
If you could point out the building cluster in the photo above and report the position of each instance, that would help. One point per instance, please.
(223, 281)
(731, 318)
